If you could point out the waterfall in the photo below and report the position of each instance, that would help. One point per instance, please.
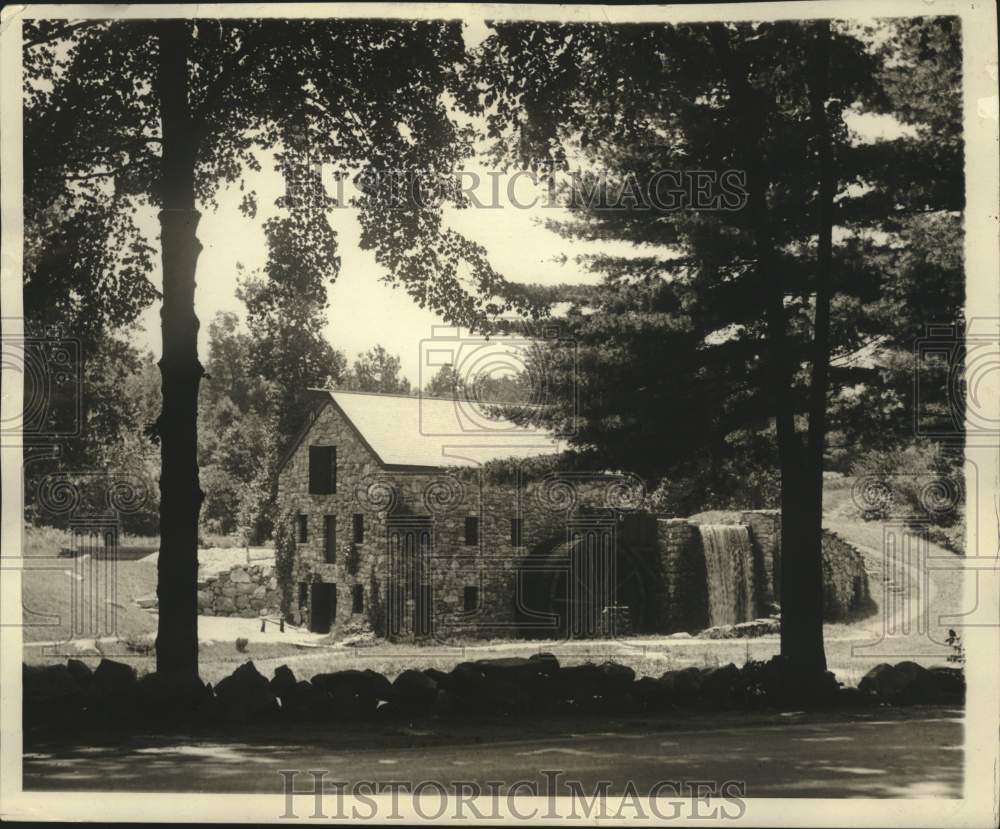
(729, 564)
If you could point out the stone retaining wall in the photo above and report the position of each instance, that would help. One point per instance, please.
(683, 581)
(845, 581)
(243, 590)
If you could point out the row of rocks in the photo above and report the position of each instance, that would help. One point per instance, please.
(61, 695)
(243, 590)
(908, 683)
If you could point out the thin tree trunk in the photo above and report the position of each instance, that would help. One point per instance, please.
(180, 493)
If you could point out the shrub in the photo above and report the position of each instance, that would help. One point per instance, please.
(352, 562)
(255, 514)
(218, 510)
(141, 646)
(284, 558)
(957, 654)
(920, 482)
(242, 643)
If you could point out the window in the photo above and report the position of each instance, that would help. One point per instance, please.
(322, 470)
(358, 598)
(471, 530)
(359, 528)
(471, 598)
(302, 522)
(515, 532)
(330, 538)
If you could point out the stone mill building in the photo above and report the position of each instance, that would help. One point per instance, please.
(433, 519)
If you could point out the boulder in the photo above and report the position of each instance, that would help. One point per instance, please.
(440, 677)
(51, 696)
(353, 701)
(116, 691)
(313, 703)
(921, 687)
(758, 627)
(445, 704)
(351, 693)
(510, 683)
(718, 685)
(414, 692)
(246, 695)
(615, 678)
(718, 632)
(510, 669)
(546, 663)
(884, 682)
(950, 682)
(467, 683)
(80, 671)
(238, 575)
(306, 702)
(682, 686)
(380, 686)
(115, 679)
(579, 686)
(651, 694)
(283, 684)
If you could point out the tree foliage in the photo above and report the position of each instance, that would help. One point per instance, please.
(377, 370)
(733, 315)
(164, 113)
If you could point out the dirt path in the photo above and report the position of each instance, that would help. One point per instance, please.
(912, 597)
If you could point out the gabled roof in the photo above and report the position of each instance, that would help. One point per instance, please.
(405, 431)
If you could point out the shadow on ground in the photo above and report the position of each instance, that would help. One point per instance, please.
(912, 752)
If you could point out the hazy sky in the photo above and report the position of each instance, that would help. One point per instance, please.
(364, 310)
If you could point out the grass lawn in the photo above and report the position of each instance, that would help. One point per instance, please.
(105, 608)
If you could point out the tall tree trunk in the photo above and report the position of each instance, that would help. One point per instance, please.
(801, 573)
(809, 643)
(180, 493)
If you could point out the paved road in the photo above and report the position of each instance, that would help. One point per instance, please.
(873, 753)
